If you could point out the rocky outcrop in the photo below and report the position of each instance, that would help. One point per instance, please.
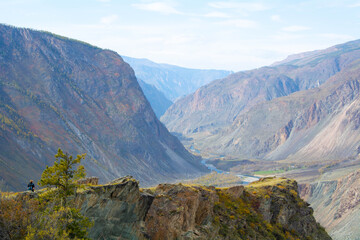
(180, 212)
(278, 201)
(268, 209)
(89, 181)
(118, 210)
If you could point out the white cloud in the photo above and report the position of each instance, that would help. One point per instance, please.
(217, 15)
(239, 23)
(242, 6)
(109, 19)
(354, 5)
(276, 18)
(160, 7)
(295, 28)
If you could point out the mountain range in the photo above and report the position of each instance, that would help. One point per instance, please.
(171, 81)
(57, 92)
(305, 108)
(302, 112)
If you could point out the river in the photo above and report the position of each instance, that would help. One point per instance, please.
(246, 179)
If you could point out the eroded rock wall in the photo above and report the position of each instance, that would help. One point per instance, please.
(336, 204)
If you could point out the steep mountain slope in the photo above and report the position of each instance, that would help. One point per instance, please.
(157, 99)
(56, 92)
(314, 125)
(173, 81)
(217, 104)
(245, 115)
(336, 204)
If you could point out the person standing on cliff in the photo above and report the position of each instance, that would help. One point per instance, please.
(31, 186)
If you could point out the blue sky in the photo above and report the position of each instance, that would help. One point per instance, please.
(233, 35)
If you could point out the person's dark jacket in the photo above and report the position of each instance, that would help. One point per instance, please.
(31, 186)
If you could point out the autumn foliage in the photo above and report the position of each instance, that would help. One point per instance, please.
(15, 215)
(48, 214)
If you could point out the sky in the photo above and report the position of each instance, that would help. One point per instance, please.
(230, 35)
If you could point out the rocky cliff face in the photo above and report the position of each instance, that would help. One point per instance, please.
(57, 92)
(303, 108)
(270, 209)
(118, 210)
(336, 204)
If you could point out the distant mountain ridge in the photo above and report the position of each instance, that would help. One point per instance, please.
(293, 109)
(57, 92)
(173, 81)
(313, 56)
(157, 99)
(315, 125)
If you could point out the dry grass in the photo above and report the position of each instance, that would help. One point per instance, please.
(270, 181)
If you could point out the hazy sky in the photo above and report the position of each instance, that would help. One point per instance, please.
(233, 35)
